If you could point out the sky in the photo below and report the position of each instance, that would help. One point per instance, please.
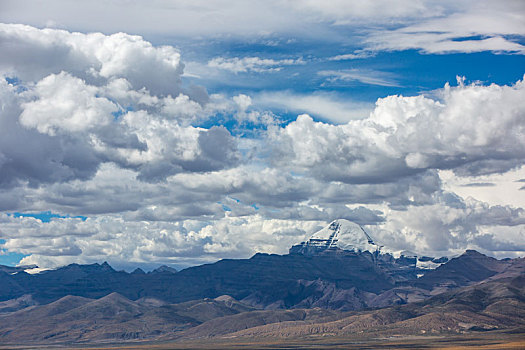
(183, 132)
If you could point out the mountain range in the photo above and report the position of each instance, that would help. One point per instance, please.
(319, 288)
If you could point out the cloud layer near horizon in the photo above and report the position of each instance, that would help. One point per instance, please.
(103, 126)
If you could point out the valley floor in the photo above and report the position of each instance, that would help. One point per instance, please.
(484, 341)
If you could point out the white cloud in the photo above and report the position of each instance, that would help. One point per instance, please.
(252, 64)
(475, 27)
(360, 54)
(243, 101)
(362, 76)
(439, 43)
(71, 113)
(65, 103)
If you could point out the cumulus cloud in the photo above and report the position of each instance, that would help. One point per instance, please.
(314, 173)
(28, 156)
(66, 104)
(472, 129)
(78, 130)
(77, 101)
(172, 148)
(31, 54)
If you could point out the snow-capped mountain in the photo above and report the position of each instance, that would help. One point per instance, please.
(344, 235)
(339, 234)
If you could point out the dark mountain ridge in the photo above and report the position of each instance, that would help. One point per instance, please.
(471, 266)
(269, 276)
(335, 279)
(492, 304)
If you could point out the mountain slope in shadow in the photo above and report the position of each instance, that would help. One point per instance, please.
(494, 303)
